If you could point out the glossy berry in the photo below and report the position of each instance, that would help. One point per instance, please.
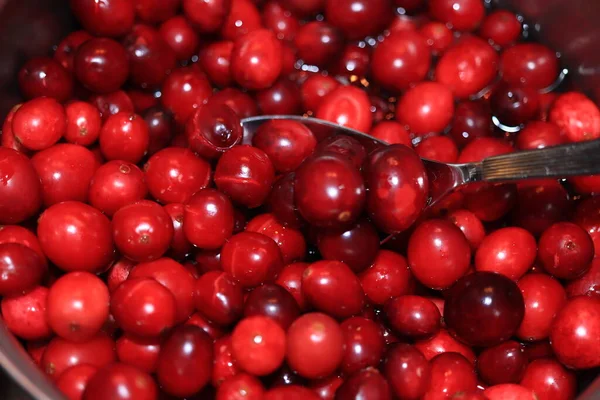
(124, 136)
(45, 77)
(529, 64)
(180, 36)
(25, 314)
(258, 345)
(347, 106)
(272, 301)
(213, 129)
(358, 19)
(240, 386)
(21, 189)
(113, 380)
(413, 316)
(550, 380)
(116, 184)
(83, 123)
(113, 19)
(565, 250)
(208, 219)
(21, 268)
(427, 107)
(39, 123)
(101, 65)
(290, 241)
(139, 352)
(367, 382)
(364, 344)
(576, 115)
(219, 297)
(407, 371)
(462, 15)
(74, 380)
(256, 59)
(451, 373)
(318, 43)
(502, 27)
(386, 278)
(184, 90)
(504, 363)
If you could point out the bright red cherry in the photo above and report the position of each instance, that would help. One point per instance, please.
(347, 106)
(120, 381)
(386, 278)
(462, 15)
(357, 19)
(451, 373)
(140, 352)
(427, 107)
(74, 380)
(39, 123)
(510, 391)
(219, 297)
(21, 190)
(290, 241)
(502, 27)
(565, 250)
(124, 136)
(115, 17)
(208, 219)
(21, 268)
(529, 64)
(115, 185)
(576, 115)
(443, 342)
(407, 371)
(179, 34)
(25, 315)
(43, 76)
(256, 59)
(363, 343)
(83, 123)
(184, 90)
(586, 284)
(550, 380)
(413, 316)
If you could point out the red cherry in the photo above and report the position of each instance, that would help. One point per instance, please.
(112, 103)
(76, 237)
(468, 66)
(386, 278)
(462, 15)
(438, 36)
(219, 297)
(62, 354)
(586, 284)
(504, 363)
(77, 306)
(574, 331)
(67, 48)
(184, 90)
(243, 18)
(83, 123)
(115, 185)
(240, 102)
(291, 392)
(550, 380)
(565, 250)
(113, 19)
(318, 43)
(160, 128)
(363, 343)
(438, 148)
(21, 190)
(207, 16)
(213, 129)
(529, 64)
(342, 145)
(576, 115)
(278, 19)
(544, 298)
(507, 251)
(39, 123)
(185, 361)
(124, 136)
(215, 60)
(19, 235)
(509, 391)
(443, 342)
(407, 371)
(152, 11)
(120, 381)
(451, 373)
(587, 216)
(290, 278)
(7, 139)
(538, 134)
(224, 366)
(391, 132)
(427, 107)
(180, 36)
(240, 386)
(502, 27)
(332, 287)
(74, 380)
(118, 273)
(256, 59)
(470, 226)
(413, 316)
(368, 382)
(139, 352)
(290, 241)
(541, 205)
(142, 231)
(43, 76)
(400, 60)
(283, 97)
(314, 89)
(315, 345)
(101, 65)
(358, 19)
(272, 301)
(143, 307)
(258, 345)
(208, 219)
(211, 329)
(472, 119)
(25, 315)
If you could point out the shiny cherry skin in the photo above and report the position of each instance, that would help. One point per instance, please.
(142, 231)
(139, 352)
(290, 241)
(387, 277)
(62, 354)
(287, 143)
(576, 115)
(21, 190)
(272, 301)
(491, 299)
(514, 105)
(184, 90)
(277, 18)
(407, 371)
(213, 129)
(7, 139)
(451, 373)
(329, 191)
(510, 391)
(76, 237)
(208, 219)
(185, 361)
(206, 16)
(315, 345)
(153, 11)
(120, 381)
(224, 363)
(114, 19)
(290, 278)
(174, 277)
(112, 103)
(256, 59)
(314, 89)
(258, 345)
(151, 59)
(208, 260)
(251, 258)
(550, 380)
(470, 225)
(211, 329)
(240, 386)
(438, 148)
(318, 43)
(23, 236)
(21, 269)
(529, 64)
(502, 27)
(508, 251)
(245, 174)
(291, 392)
(281, 202)
(173, 175)
(343, 145)
(65, 171)
(77, 306)
(243, 18)
(367, 383)
(332, 287)
(124, 136)
(467, 67)
(215, 60)
(364, 344)
(347, 106)
(586, 284)
(427, 107)
(573, 333)
(413, 316)
(178, 33)
(160, 128)
(443, 342)
(358, 19)
(462, 15)
(503, 363)
(115, 185)
(385, 181)
(357, 246)
(101, 65)
(539, 206)
(74, 380)
(565, 250)
(143, 307)
(39, 123)
(438, 253)
(83, 123)
(240, 102)
(25, 315)
(391, 132)
(219, 297)
(539, 134)
(43, 76)
(544, 298)
(587, 216)
(283, 97)
(439, 36)
(400, 60)
(472, 119)
(67, 48)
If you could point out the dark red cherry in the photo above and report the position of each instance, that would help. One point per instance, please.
(213, 129)
(357, 19)
(529, 64)
(514, 105)
(367, 383)
(44, 76)
(413, 316)
(363, 343)
(408, 372)
(318, 43)
(565, 250)
(101, 65)
(503, 363)
(272, 301)
(113, 19)
(219, 297)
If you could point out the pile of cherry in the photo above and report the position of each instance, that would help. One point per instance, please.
(148, 250)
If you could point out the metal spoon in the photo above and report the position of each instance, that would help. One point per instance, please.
(571, 159)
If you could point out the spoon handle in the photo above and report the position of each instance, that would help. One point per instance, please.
(582, 158)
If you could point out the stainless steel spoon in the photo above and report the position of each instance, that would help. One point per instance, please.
(571, 159)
